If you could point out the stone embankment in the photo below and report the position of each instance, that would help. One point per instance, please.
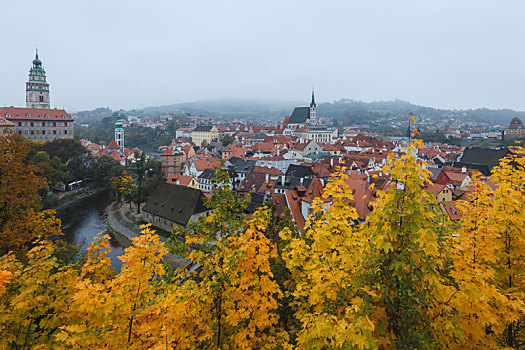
(124, 229)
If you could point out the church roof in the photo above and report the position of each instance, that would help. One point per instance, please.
(300, 115)
(34, 113)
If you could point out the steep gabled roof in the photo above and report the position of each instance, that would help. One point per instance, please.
(203, 128)
(112, 145)
(175, 203)
(299, 171)
(300, 115)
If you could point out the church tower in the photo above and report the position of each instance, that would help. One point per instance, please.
(313, 106)
(119, 134)
(37, 89)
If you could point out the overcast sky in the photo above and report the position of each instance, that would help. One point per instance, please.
(132, 54)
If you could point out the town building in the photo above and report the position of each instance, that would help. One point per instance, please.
(172, 204)
(6, 127)
(317, 134)
(204, 134)
(172, 161)
(516, 130)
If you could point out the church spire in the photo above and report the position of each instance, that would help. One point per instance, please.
(313, 116)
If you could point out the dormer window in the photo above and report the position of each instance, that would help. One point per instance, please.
(28, 115)
(7, 115)
(47, 115)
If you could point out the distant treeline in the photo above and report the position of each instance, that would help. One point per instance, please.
(342, 112)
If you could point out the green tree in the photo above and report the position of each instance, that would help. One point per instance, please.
(227, 139)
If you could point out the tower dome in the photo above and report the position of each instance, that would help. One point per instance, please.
(37, 88)
(516, 121)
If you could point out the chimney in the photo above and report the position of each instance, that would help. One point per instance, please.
(331, 161)
(267, 177)
(301, 180)
(282, 180)
(463, 169)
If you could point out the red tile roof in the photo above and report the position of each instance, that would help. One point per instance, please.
(183, 180)
(34, 113)
(112, 145)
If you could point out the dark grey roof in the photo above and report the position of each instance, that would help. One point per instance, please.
(485, 156)
(243, 166)
(299, 171)
(435, 172)
(257, 200)
(205, 128)
(175, 203)
(207, 174)
(291, 182)
(300, 115)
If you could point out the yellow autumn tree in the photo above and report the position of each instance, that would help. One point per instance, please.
(379, 283)
(323, 262)
(124, 185)
(234, 287)
(36, 300)
(488, 253)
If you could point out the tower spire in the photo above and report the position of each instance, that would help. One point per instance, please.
(313, 117)
(36, 56)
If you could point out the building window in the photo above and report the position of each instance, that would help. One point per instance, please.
(44, 123)
(32, 124)
(54, 132)
(54, 123)
(41, 98)
(43, 132)
(19, 123)
(65, 123)
(65, 132)
(32, 132)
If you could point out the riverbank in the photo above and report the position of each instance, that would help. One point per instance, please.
(124, 222)
(77, 196)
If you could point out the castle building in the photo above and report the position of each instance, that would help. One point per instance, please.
(38, 121)
(37, 89)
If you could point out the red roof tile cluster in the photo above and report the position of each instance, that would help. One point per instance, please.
(34, 114)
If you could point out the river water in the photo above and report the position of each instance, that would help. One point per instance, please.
(83, 219)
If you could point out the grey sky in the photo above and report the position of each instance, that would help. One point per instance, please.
(124, 54)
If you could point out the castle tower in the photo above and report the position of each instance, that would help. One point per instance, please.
(313, 106)
(119, 134)
(37, 89)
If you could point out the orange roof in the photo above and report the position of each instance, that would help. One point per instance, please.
(292, 199)
(202, 164)
(267, 170)
(452, 210)
(314, 190)
(182, 180)
(117, 156)
(435, 188)
(5, 122)
(362, 195)
(34, 113)
(112, 145)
